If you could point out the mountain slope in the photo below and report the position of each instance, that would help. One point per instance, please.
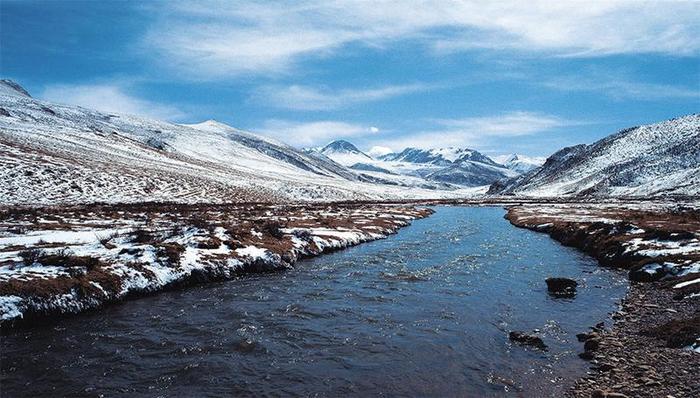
(653, 160)
(51, 153)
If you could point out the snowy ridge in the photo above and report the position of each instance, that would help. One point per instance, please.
(661, 159)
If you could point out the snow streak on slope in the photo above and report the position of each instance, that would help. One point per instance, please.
(52, 153)
(653, 160)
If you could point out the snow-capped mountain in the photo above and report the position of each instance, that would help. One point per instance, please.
(52, 153)
(520, 163)
(454, 166)
(442, 168)
(652, 160)
(345, 153)
(439, 157)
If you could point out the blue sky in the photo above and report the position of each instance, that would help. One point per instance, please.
(501, 77)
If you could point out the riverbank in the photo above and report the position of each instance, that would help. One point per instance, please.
(648, 352)
(60, 261)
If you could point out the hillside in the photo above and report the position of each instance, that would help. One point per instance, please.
(52, 153)
(661, 159)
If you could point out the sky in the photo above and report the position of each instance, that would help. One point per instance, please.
(500, 76)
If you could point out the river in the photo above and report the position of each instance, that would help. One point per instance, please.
(425, 312)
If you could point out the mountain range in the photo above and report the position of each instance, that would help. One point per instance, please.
(52, 153)
(445, 167)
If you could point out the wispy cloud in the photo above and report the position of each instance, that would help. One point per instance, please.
(109, 98)
(307, 98)
(304, 134)
(620, 87)
(463, 132)
(476, 131)
(213, 38)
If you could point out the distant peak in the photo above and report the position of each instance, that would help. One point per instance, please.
(9, 87)
(341, 146)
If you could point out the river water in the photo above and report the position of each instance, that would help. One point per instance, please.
(425, 312)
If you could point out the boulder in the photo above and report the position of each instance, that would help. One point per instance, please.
(527, 339)
(561, 287)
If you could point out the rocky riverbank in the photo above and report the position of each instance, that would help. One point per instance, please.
(652, 350)
(59, 261)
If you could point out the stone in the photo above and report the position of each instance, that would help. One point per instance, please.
(591, 344)
(527, 339)
(561, 287)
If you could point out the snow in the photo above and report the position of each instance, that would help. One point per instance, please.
(9, 307)
(31, 271)
(686, 283)
(53, 236)
(657, 159)
(253, 252)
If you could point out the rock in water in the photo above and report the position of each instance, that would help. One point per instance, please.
(561, 287)
(527, 339)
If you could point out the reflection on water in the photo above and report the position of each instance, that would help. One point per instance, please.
(423, 313)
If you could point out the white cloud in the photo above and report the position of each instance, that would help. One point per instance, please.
(475, 131)
(304, 134)
(379, 151)
(109, 98)
(505, 125)
(308, 98)
(209, 39)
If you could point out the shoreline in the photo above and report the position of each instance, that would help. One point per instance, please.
(63, 261)
(648, 350)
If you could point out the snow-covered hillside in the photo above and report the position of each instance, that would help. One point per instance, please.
(520, 163)
(652, 160)
(51, 153)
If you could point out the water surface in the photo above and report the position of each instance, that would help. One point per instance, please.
(425, 312)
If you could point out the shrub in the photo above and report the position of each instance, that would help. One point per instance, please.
(105, 240)
(212, 243)
(273, 228)
(30, 256)
(64, 258)
(142, 236)
(171, 251)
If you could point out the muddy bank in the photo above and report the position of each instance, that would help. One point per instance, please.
(652, 348)
(60, 261)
